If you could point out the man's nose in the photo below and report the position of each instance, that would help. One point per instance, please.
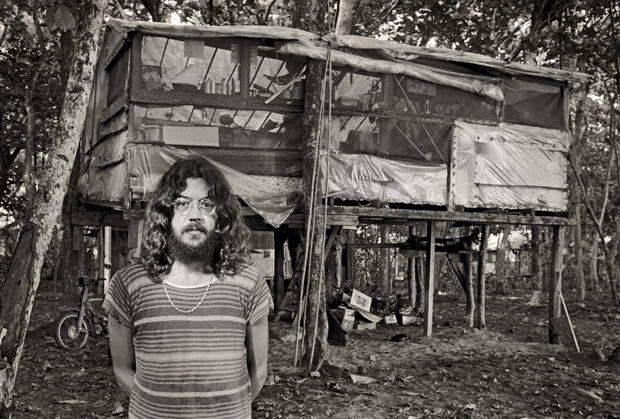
(194, 211)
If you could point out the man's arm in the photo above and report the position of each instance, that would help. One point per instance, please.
(123, 356)
(257, 343)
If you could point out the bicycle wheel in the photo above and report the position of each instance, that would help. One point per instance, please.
(68, 335)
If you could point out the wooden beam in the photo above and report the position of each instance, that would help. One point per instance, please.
(351, 259)
(555, 285)
(279, 237)
(369, 215)
(332, 237)
(482, 258)
(430, 279)
(81, 216)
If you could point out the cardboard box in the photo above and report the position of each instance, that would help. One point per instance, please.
(366, 326)
(360, 300)
(390, 319)
(348, 320)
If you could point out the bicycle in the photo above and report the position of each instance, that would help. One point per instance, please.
(76, 323)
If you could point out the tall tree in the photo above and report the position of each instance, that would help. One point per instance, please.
(17, 290)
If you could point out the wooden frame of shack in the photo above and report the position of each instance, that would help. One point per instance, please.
(410, 134)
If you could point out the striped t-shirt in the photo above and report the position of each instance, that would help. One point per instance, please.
(189, 365)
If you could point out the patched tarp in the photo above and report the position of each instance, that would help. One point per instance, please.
(272, 198)
(511, 166)
(367, 177)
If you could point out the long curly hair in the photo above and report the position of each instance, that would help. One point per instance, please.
(233, 234)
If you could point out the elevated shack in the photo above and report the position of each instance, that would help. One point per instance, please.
(412, 133)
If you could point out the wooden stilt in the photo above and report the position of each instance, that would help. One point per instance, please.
(430, 278)
(351, 280)
(470, 305)
(279, 237)
(482, 259)
(555, 285)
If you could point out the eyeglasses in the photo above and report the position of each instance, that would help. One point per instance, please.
(205, 205)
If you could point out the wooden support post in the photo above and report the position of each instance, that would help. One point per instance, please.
(107, 256)
(430, 278)
(419, 274)
(555, 285)
(351, 262)
(411, 278)
(134, 237)
(279, 237)
(470, 305)
(482, 260)
(384, 261)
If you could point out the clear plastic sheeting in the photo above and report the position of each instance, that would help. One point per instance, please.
(366, 177)
(411, 53)
(482, 86)
(272, 199)
(104, 184)
(510, 166)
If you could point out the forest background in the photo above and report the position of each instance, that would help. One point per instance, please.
(39, 43)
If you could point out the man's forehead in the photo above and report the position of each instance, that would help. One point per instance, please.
(196, 186)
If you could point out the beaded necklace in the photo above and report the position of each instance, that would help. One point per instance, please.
(190, 311)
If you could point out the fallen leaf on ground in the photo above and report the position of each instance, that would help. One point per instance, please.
(362, 379)
(592, 394)
(118, 408)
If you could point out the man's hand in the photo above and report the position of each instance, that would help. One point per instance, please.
(257, 344)
(123, 355)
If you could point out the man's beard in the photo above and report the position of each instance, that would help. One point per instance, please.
(206, 251)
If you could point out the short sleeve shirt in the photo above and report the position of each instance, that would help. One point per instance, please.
(189, 365)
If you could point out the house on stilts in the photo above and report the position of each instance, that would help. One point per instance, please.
(406, 134)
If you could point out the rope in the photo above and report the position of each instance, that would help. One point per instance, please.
(310, 223)
(310, 218)
(326, 193)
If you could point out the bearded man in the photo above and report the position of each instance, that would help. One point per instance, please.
(188, 325)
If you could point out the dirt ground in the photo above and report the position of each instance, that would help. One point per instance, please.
(507, 371)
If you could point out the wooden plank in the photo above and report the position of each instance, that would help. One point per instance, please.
(198, 98)
(369, 215)
(119, 104)
(134, 235)
(482, 258)
(429, 279)
(555, 285)
(262, 162)
(332, 237)
(81, 216)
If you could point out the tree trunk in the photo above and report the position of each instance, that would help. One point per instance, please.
(311, 15)
(18, 289)
(346, 15)
(579, 132)
(70, 252)
(315, 341)
(580, 278)
(594, 284)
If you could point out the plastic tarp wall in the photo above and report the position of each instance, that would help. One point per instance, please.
(366, 177)
(272, 198)
(511, 166)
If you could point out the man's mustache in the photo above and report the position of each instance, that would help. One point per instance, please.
(195, 227)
